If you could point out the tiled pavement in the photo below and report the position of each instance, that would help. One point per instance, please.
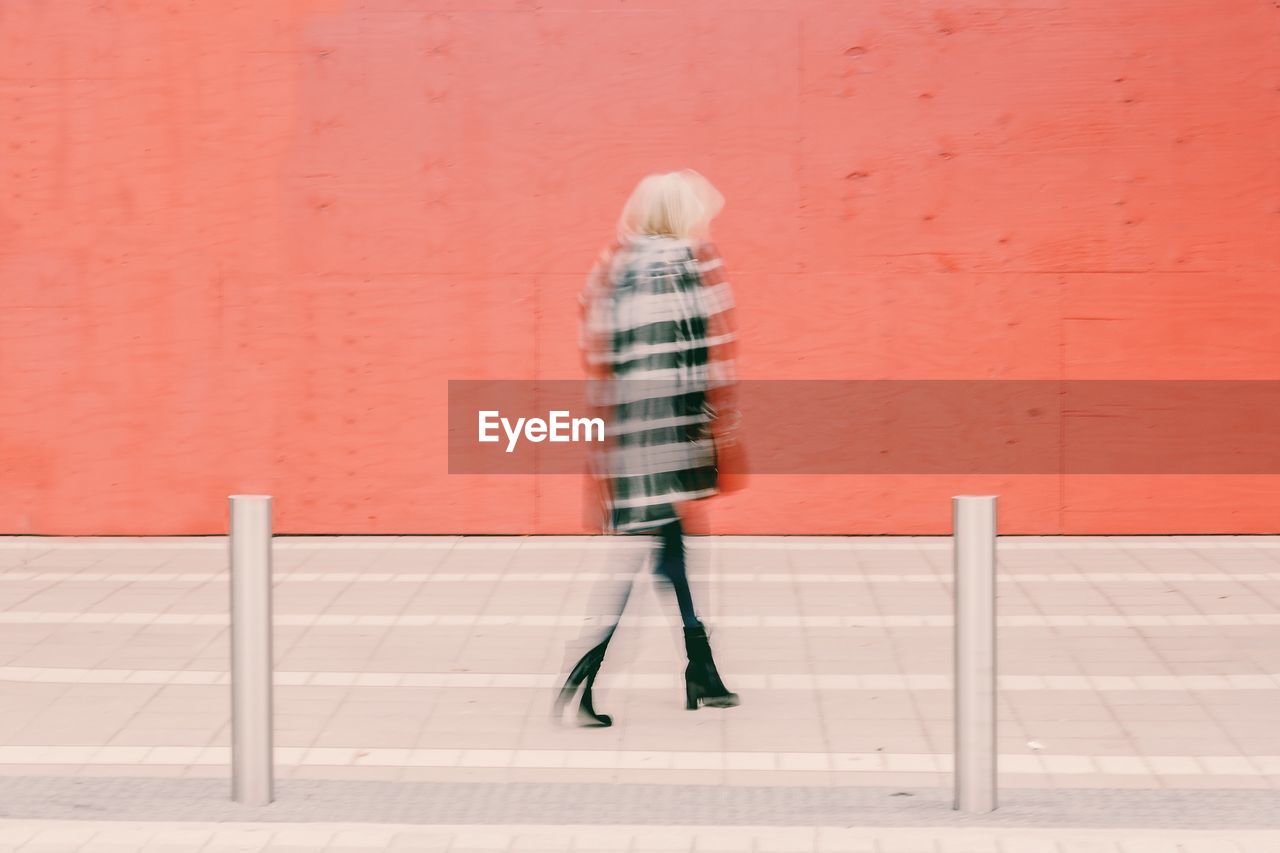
(1135, 670)
(102, 837)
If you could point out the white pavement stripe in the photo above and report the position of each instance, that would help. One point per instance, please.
(20, 617)
(848, 762)
(572, 577)
(143, 837)
(1177, 542)
(652, 681)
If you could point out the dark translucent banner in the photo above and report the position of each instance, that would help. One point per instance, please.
(900, 426)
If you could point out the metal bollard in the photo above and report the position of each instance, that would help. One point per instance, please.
(974, 562)
(251, 664)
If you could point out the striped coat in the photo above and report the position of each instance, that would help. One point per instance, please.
(657, 339)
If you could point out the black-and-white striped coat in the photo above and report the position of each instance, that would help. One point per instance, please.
(657, 338)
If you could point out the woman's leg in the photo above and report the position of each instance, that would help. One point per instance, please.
(702, 682)
(605, 604)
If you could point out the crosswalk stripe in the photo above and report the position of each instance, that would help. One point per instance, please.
(579, 577)
(847, 762)
(647, 681)
(420, 620)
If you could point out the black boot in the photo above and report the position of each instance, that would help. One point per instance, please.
(584, 675)
(702, 684)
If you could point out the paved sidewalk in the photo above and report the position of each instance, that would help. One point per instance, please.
(103, 837)
(1135, 672)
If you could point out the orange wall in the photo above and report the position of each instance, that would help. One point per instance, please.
(243, 245)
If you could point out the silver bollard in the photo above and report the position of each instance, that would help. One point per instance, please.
(974, 562)
(251, 679)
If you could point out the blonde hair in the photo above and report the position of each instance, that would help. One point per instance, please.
(674, 204)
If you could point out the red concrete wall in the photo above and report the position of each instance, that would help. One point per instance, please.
(243, 245)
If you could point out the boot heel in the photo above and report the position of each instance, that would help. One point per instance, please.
(691, 696)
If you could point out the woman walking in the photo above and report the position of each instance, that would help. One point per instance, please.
(657, 341)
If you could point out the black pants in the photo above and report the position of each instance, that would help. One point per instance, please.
(671, 567)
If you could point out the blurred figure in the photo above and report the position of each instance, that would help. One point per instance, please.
(657, 338)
